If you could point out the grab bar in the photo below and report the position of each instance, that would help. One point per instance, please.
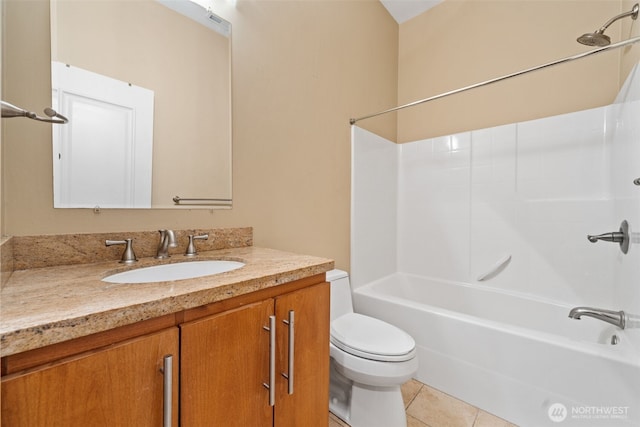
(10, 110)
(495, 268)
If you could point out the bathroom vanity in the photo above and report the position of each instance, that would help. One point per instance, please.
(245, 347)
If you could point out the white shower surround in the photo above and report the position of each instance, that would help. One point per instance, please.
(448, 208)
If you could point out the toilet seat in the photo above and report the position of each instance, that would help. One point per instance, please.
(371, 338)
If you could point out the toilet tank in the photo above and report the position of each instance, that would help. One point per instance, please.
(341, 302)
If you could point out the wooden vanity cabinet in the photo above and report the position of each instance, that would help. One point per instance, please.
(307, 404)
(226, 364)
(221, 356)
(122, 385)
(225, 361)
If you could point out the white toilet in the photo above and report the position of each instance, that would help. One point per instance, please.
(370, 360)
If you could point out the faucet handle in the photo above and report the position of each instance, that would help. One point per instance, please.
(614, 236)
(621, 237)
(191, 247)
(128, 256)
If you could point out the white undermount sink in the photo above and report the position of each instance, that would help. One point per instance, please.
(176, 271)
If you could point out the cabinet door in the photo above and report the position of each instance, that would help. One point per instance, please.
(122, 385)
(307, 402)
(225, 362)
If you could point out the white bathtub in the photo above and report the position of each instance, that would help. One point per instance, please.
(517, 357)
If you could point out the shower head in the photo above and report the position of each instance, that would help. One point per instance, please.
(598, 38)
(595, 39)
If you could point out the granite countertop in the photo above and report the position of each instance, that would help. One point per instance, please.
(43, 306)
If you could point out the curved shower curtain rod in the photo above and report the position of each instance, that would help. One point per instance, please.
(505, 77)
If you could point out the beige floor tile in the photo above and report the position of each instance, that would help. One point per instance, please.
(486, 419)
(438, 409)
(336, 422)
(414, 422)
(428, 407)
(410, 390)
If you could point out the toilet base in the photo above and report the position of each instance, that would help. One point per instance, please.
(377, 407)
(360, 405)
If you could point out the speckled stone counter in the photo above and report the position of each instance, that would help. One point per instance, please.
(43, 306)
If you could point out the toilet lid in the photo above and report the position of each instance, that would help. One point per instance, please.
(371, 338)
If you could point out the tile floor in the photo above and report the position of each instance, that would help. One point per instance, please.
(428, 407)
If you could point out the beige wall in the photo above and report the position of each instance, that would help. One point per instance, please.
(1, 132)
(300, 70)
(462, 42)
(630, 54)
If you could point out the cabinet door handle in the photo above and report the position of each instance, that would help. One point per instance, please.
(168, 391)
(272, 360)
(289, 375)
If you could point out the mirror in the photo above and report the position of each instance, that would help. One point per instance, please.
(146, 86)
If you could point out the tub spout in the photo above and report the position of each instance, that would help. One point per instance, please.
(616, 318)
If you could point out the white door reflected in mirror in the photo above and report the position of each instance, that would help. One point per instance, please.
(103, 157)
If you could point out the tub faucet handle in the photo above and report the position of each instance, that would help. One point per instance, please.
(621, 237)
(614, 236)
(191, 247)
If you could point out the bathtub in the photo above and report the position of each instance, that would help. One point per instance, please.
(513, 355)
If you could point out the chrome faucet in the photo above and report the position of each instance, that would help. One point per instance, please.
(617, 318)
(167, 240)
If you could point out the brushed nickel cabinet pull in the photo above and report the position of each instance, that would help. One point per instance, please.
(289, 375)
(168, 391)
(272, 360)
